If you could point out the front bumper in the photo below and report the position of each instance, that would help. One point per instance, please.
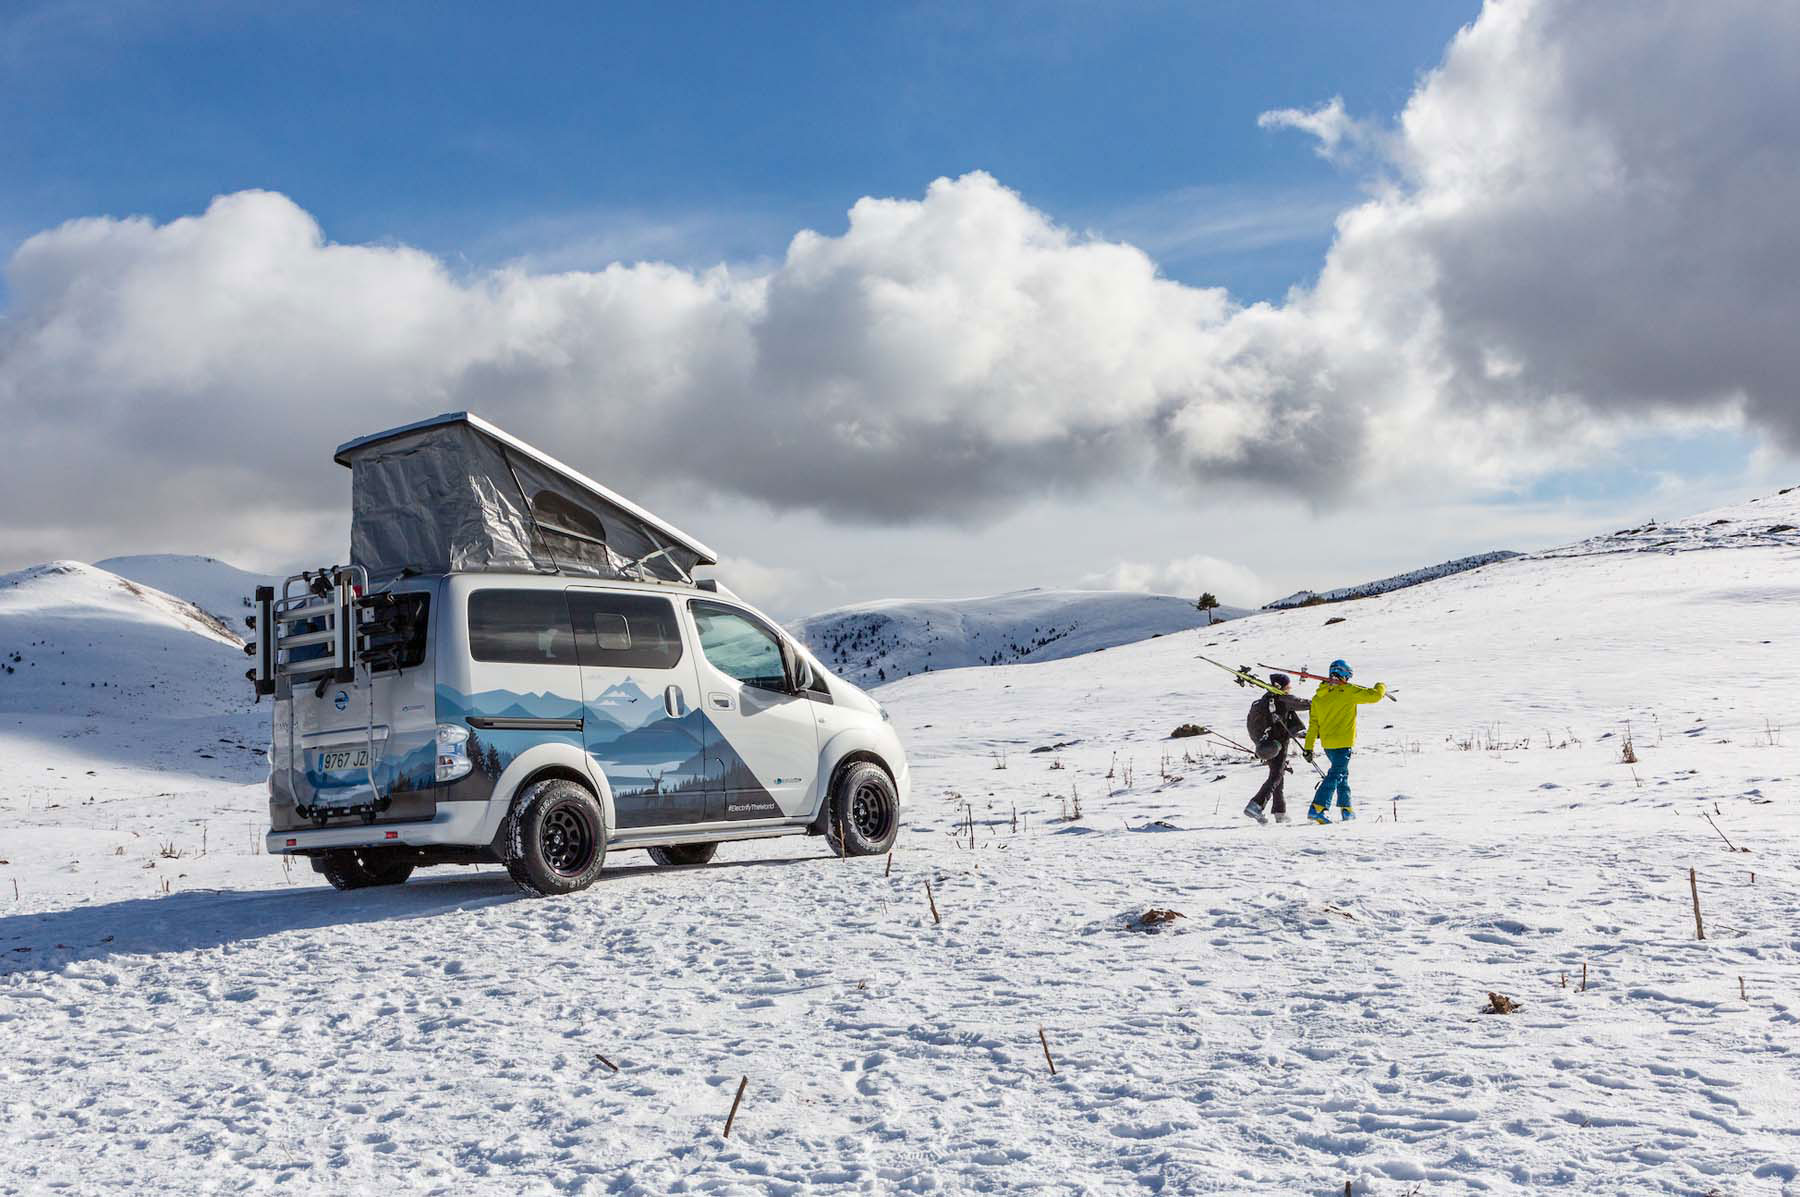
(455, 823)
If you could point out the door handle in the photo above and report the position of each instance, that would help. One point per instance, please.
(674, 701)
(720, 702)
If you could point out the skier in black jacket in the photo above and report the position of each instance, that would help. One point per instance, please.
(1272, 723)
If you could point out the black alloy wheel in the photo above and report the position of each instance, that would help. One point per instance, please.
(568, 841)
(557, 840)
(865, 811)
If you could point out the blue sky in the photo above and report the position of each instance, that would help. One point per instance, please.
(700, 131)
(1511, 353)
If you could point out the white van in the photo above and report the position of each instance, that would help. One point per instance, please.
(519, 667)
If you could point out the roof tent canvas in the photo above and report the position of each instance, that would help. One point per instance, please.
(454, 494)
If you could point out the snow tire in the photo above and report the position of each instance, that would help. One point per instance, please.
(556, 843)
(865, 812)
(353, 869)
(683, 854)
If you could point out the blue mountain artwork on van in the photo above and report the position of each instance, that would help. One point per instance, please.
(657, 756)
(628, 704)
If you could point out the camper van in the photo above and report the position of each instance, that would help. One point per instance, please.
(519, 667)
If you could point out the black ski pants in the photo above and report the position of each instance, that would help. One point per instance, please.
(1272, 788)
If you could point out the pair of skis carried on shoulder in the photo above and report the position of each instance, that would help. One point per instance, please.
(1312, 677)
(1246, 678)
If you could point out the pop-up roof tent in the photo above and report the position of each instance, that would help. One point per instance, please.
(455, 493)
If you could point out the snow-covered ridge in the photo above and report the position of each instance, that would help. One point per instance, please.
(1307, 598)
(1759, 522)
(215, 586)
(872, 643)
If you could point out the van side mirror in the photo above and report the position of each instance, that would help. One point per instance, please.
(801, 672)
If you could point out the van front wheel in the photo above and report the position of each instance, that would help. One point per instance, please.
(865, 812)
(558, 840)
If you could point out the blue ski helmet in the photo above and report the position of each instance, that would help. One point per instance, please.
(1340, 669)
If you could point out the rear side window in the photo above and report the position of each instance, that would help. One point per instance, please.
(523, 627)
(739, 646)
(625, 631)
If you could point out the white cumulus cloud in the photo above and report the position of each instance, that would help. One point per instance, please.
(1581, 225)
(1232, 584)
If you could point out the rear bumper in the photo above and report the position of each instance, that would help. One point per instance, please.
(455, 823)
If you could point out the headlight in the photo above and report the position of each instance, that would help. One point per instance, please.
(452, 752)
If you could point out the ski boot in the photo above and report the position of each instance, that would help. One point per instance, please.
(1253, 811)
(1345, 814)
(1318, 815)
(1281, 816)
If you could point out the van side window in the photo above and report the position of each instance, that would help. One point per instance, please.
(524, 627)
(738, 646)
(625, 631)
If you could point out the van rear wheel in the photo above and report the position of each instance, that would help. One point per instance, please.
(865, 812)
(683, 854)
(558, 839)
(352, 869)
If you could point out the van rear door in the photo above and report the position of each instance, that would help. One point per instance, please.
(642, 727)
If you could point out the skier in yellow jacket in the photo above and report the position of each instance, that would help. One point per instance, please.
(1333, 721)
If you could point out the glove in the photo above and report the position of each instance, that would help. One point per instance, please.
(1307, 753)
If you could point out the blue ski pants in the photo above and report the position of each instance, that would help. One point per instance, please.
(1337, 778)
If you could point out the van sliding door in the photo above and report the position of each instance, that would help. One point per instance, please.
(642, 724)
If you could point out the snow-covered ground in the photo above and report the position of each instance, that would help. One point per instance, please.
(172, 1021)
(874, 643)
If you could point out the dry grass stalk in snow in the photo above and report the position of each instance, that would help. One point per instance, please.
(730, 1118)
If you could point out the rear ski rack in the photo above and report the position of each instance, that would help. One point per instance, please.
(329, 604)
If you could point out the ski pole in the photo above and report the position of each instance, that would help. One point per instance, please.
(1233, 743)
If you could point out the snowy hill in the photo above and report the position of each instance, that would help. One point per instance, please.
(871, 643)
(1429, 573)
(207, 582)
(80, 640)
(1312, 1018)
(96, 667)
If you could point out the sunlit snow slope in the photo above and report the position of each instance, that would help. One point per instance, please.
(213, 585)
(871, 643)
(105, 679)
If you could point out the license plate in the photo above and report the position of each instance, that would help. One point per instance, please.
(334, 760)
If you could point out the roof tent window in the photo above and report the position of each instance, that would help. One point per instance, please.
(572, 534)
